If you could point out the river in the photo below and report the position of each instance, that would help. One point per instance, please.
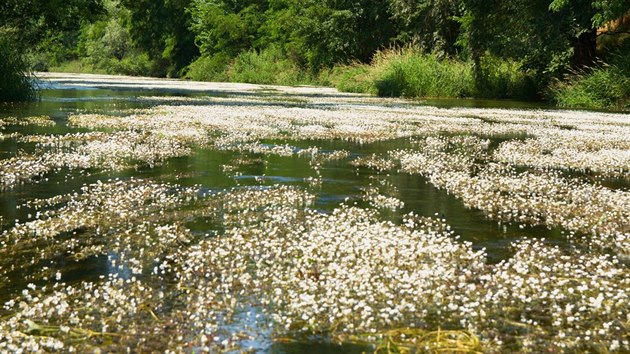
(393, 157)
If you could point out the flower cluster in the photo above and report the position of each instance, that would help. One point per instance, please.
(300, 271)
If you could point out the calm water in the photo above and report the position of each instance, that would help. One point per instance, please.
(341, 180)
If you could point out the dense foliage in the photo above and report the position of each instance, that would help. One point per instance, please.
(14, 85)
(290, 41)
(39, 28)
(606, 87)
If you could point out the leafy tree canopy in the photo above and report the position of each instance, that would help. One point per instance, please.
(35, 17)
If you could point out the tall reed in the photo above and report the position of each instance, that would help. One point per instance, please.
(410, 73)
(603, 87)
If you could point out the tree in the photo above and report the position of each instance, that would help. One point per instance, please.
(431, 25)
(546, 36)
(312, 33)
(323, 33)
(226, 26)
(34, 18)
(15, 84)
(161, 28)
(588, 16)
(28, 24)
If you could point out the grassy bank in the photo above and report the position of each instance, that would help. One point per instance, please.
(392, 73)
(604, 87)
(406, 73)
(269, 66)
(133, 65)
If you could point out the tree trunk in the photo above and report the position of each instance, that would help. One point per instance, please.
(585, 49)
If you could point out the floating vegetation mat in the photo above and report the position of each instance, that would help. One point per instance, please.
(343, 275)
(192, 268)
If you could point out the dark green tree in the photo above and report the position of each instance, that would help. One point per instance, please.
(161, 28)
(432, 25)
(34, 18)
(334, 32)
(312, 33)
(26, 25)
(546, 36)
(14, 80)
(226, 26)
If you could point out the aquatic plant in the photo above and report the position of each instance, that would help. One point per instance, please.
(344, 275)
(267, 265)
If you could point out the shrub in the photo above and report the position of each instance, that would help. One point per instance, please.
(603, 87)
(356, 77)
(269, 66)
(15, 83)
(132, 64)
(407, 73)
(208, 68)
(425, 75)
(76, 66)
(505, 79)
(410, 73)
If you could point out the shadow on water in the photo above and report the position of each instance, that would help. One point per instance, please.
(481, 103)
(317, 348)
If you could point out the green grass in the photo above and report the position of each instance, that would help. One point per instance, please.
(133, 64)
(266, 67)
(504, 79)
(357, 78)
(605, 87)
(410, 73)
(393, 73)
(76, 66)
(208, 68)
(269, 66)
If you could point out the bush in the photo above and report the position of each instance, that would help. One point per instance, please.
(76, 66)
(106, 46)
(38, 61)
(412, 74)
(407, 73)
(131, 64)
(351, 78)
(208, 68)
(505, 79)
(15, 83)
(604, 87)
(269, 66)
